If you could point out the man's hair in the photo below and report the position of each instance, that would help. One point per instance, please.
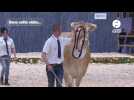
(56, 27)
(2, 30)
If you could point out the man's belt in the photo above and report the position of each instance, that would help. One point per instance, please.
(4, 56)
(56, 64)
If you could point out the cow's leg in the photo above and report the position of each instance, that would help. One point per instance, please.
(77, 81)
(68, 80)
(80, 76)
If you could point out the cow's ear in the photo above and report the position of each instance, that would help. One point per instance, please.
(72, 24)
(91, 27)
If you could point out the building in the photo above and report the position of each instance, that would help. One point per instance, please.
(31, 29)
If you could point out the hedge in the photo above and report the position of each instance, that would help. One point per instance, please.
(105, 60)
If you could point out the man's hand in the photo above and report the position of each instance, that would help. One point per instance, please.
(49, 67)
(15, 59)
(44, 58)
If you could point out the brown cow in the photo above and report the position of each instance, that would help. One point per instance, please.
(75, 69)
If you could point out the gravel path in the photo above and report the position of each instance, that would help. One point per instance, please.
(98, 75)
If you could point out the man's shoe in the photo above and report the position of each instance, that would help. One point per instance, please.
(1, 81)
(6, 82)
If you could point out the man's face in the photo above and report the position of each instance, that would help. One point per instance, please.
(57, 32)
(5, 34)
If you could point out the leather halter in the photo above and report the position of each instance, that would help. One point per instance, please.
(76, 41)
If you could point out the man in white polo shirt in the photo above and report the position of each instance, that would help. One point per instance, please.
(6, 48)
(53, 55)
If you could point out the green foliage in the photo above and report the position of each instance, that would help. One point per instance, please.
(105, 60)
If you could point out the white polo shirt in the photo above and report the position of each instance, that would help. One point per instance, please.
(51, 49)
(3, 50)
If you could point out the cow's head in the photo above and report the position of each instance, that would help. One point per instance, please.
(81, 30)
